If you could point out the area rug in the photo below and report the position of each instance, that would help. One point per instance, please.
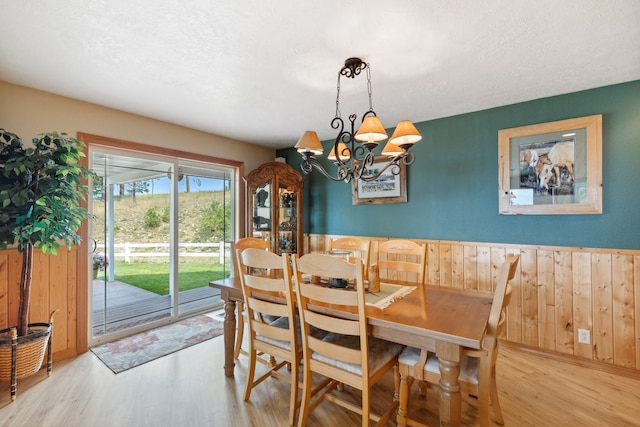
(135, 350)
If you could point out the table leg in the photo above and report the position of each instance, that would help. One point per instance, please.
(450, 399)
(229, 334)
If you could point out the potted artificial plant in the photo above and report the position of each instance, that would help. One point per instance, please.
(40, 194)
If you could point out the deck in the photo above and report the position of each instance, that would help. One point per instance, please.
(127, 306)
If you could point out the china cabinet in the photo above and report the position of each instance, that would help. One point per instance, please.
(275, 192)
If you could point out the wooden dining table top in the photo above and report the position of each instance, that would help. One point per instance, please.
(429, 312)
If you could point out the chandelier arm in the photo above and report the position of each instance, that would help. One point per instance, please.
(360, 167)
(393, 165)
(338, 123)
(349, 139)
(368, 160)
(310, 163)
(408, 158)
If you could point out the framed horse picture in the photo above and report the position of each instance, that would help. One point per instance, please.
(551, 168)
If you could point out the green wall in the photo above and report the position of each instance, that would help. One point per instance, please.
(453, 184)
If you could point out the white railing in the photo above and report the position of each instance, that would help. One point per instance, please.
(129, 250)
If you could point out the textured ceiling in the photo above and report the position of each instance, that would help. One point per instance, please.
(265, 71)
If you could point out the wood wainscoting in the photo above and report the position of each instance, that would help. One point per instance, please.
(54, 286)
(556, 292)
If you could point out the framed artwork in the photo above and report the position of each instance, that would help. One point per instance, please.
(551, 168)
(387, 188)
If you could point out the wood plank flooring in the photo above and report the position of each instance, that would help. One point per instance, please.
(188, 388)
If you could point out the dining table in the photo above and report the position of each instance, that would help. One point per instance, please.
(435, 318)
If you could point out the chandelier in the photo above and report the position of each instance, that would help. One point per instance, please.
(352, 151)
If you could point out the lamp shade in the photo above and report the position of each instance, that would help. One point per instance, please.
(405, 134)
(309, 142)
(371, 130)
(391, 150)
(345, 155)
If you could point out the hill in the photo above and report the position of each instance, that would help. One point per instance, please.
(131, 226)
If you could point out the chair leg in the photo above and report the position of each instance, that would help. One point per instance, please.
(366, 408)
(293, 400)
(240, 330)
(495, 403)
(484, 376)
(250, 372)
(306, 397)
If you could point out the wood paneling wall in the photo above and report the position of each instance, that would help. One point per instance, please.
(54, 286)
(556, 291)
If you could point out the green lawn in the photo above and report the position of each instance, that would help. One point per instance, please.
(154, 277)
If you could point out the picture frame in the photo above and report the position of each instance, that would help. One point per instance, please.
(387, 188)
(552, 168)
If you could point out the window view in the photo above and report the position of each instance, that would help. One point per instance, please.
(163, 229)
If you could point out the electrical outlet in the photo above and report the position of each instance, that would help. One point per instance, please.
(584, 336)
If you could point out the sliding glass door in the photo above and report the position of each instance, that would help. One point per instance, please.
(205, 236)
(162, 231)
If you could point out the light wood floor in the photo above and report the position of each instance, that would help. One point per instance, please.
(188, 388)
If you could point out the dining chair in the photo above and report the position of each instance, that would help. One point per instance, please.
(241, 245)
(360, 249)
(400, 259)
(477, 367)
(346, 355)
(268, 297)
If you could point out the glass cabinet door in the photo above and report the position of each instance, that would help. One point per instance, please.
(262, 217)
(287, 210)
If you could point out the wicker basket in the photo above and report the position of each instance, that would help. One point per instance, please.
(21, 357)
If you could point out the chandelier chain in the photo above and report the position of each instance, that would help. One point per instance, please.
(338, 97)
(369, 87)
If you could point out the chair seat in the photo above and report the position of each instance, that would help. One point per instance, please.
(468, 365)
(380, 352)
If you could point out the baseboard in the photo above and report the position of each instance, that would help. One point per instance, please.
(64, 354)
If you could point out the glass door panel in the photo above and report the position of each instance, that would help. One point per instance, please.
(287, 229)
(205, 234)
(131, 205)
(262, 217)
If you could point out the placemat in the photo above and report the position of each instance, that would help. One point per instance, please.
(388, 294)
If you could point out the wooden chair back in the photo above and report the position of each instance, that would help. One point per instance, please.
(400, 259)
(246, 243)
(307, 294)
(268, 297)
(501, 296)
(512, 259)
(241, 245)
(360, 249)
(343, 355)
